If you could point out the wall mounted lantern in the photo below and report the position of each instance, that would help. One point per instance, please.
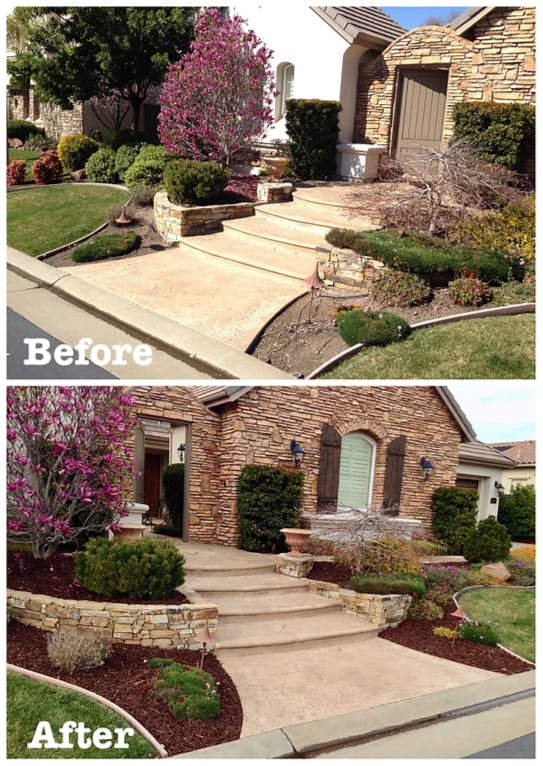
(181, 452)
(500, 489)
(298, 453)
(427, 466)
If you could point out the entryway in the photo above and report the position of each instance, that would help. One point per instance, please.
(421, 102)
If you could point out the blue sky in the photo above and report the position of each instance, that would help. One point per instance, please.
(498, 412)
(415, 16)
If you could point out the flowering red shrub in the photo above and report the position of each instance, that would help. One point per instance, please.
(48, 168)
(16, 172)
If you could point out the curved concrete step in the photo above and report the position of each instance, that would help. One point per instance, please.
(234, 570)
(300, 216)
(253, 586)
(315, 198)
(271, 232)
(272, 606)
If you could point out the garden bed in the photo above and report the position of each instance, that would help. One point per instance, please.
(56, 577)
(126, 680)
(328, 571)
(417, 634)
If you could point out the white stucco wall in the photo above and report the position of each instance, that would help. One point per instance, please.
(325, 65)
(486, 476)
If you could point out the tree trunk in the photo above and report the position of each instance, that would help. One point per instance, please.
(136, 111)
(42, 550)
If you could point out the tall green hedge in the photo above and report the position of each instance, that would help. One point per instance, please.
(517, 512)
(505, 133)
(269, 499)
(454, 515)
(313, 131)
(173, 485)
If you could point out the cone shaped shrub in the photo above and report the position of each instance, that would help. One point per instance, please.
(488, 542)
(454, 515)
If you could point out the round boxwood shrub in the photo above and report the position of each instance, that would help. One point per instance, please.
(127, 136)
(148, 168)
(137, 569)
(100, 167)
(125, 157)
(372, 328)
(106, 246)
(454, 515)
(488, 542)
(195, 183)
(74, 151)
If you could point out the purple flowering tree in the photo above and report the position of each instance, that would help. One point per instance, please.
(69, 462)
(218, 98)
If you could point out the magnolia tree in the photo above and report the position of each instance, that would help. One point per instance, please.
(218, 98)
(110, 110)
(67, 463)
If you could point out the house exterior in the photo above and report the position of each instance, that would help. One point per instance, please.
(363, 447)
(522, 453)
(482, 468)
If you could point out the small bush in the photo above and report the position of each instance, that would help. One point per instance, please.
(389, 556)
(40, 141)
(75, 652)
(126, 155)
(385, 586)
(348, 239)
(47, 169)
(522, 572)
(189, 692)
(525, 552)
(173, 484)
(106, 246)
(127, 136)
(441, 594)
(517, 512)
(424, 609)
(479, 633)
(313, 130)
(444, 632)
(143, 196)
(195, 183)
(100, 167)
(451, 576)
(167, 530)
(22, 129)
(372, 328)
(488, 542)
(399, 288)
(74, 151)
(469, 291)
(269, 499)
(515, 292)
(454, 515)
(16, 172)
(137, 569)
(429, 548)
(148, 168)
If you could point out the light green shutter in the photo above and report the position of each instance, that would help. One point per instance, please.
(355, 471)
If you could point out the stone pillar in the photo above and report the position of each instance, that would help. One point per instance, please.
(294, 566)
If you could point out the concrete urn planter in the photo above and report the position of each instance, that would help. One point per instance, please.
(295, 539)
(275, 165)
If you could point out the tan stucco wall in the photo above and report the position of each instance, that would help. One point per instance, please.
(518, 476)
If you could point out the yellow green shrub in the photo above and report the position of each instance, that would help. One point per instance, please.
(525, 553)
(444, 632)
(512, 230)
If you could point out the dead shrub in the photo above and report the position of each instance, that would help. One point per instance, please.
(74, 651)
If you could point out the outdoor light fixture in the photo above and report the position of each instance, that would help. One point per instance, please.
(500, 489)
(298, 453)
(181, 453)
(427, 466)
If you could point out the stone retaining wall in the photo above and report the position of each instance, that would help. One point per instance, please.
(293, 566)
(346, 270)
(274, 192)
(174, 222)
(144, 624)
(383, 611)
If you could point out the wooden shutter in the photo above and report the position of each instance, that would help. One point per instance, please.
(394, 471)
(329, 465)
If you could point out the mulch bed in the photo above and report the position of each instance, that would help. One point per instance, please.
(56, 577)
(417, 634)
(126, 680)
(328, 571)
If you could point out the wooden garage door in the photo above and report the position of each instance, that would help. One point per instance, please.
(423, 96)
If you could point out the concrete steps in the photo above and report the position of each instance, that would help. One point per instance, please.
(261, 231)
(271, 606)
(318, 219)
(254, 586)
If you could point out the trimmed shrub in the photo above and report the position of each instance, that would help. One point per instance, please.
(106, 246)
(22, 129)
(372, 328)
(389, 556)
(522, 572)
(148, 168)
(47, 169)
(74, 652)
(74, 151)
(313, 130)
(195, 183)
(503, 133)
(268, 499)
(100, 167)
(424, 609)
(517, 512)
(189, 692)
(428, 548)
(125, 157)
(127, 136)
(454, 515)
(16, 172)
(386, 585)
(469, 291)
(143, 196)
(478, 632)
(441, 594)
(444, 632)
(137, 569)
(488, 542)
(399, 288)
(348, 239)
(173, 484)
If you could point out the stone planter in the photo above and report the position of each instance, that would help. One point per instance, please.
(295, 539)
(131, 526)
(294, 566)
(174, 221)
(276, 165)
(267, 191)
(383, 611)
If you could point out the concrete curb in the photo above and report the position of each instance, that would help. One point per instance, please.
(202, 352)
(107, 703)
(308, 739)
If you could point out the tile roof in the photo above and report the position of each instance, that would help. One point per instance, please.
(369, 24)
(477, 452)
(522, 452)
(467, 16)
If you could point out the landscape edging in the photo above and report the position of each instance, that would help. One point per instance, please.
(92, 695)
(51, 253)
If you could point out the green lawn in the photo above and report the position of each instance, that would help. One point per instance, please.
(47, 217)
(22, 154)
(512, 613)
(495, 347)
(29, 702)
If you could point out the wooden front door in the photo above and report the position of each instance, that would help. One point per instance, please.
(422, 98)
(151, 482)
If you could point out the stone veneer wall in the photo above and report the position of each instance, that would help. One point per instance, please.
(146, 625)
(258, 427)
(61, 122)
(346, 270)
(173, 222)
(383, 611)
(498, 65)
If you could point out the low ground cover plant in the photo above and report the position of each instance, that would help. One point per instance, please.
(74, 652)
(195, 183)
(522, 572)
(489, 541)
(106, 246)
(138, 569)
(348, 239)
(515, 292)
(47, 169)
(372, 328)
(189, 692)
(75, 150)
(454, 515)
(16, 172)
(429, 547)
(399, 288)
(469, 291)
(100, 167)
(479, 633)
(387, 585)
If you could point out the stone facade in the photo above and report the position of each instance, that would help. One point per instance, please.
(293, 566)
(498, 64)
(62, 122)
(346, 270)
(142, 624)
(383, 611)
(274, 192)
(174, 222)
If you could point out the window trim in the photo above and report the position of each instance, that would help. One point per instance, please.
(373, 444)
(281, 78)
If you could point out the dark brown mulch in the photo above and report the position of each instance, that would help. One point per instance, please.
(56, 577)
(330, 572)
(417, 634)
(126, 680)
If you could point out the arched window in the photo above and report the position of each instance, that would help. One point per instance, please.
(356, 469)
(285, 86)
